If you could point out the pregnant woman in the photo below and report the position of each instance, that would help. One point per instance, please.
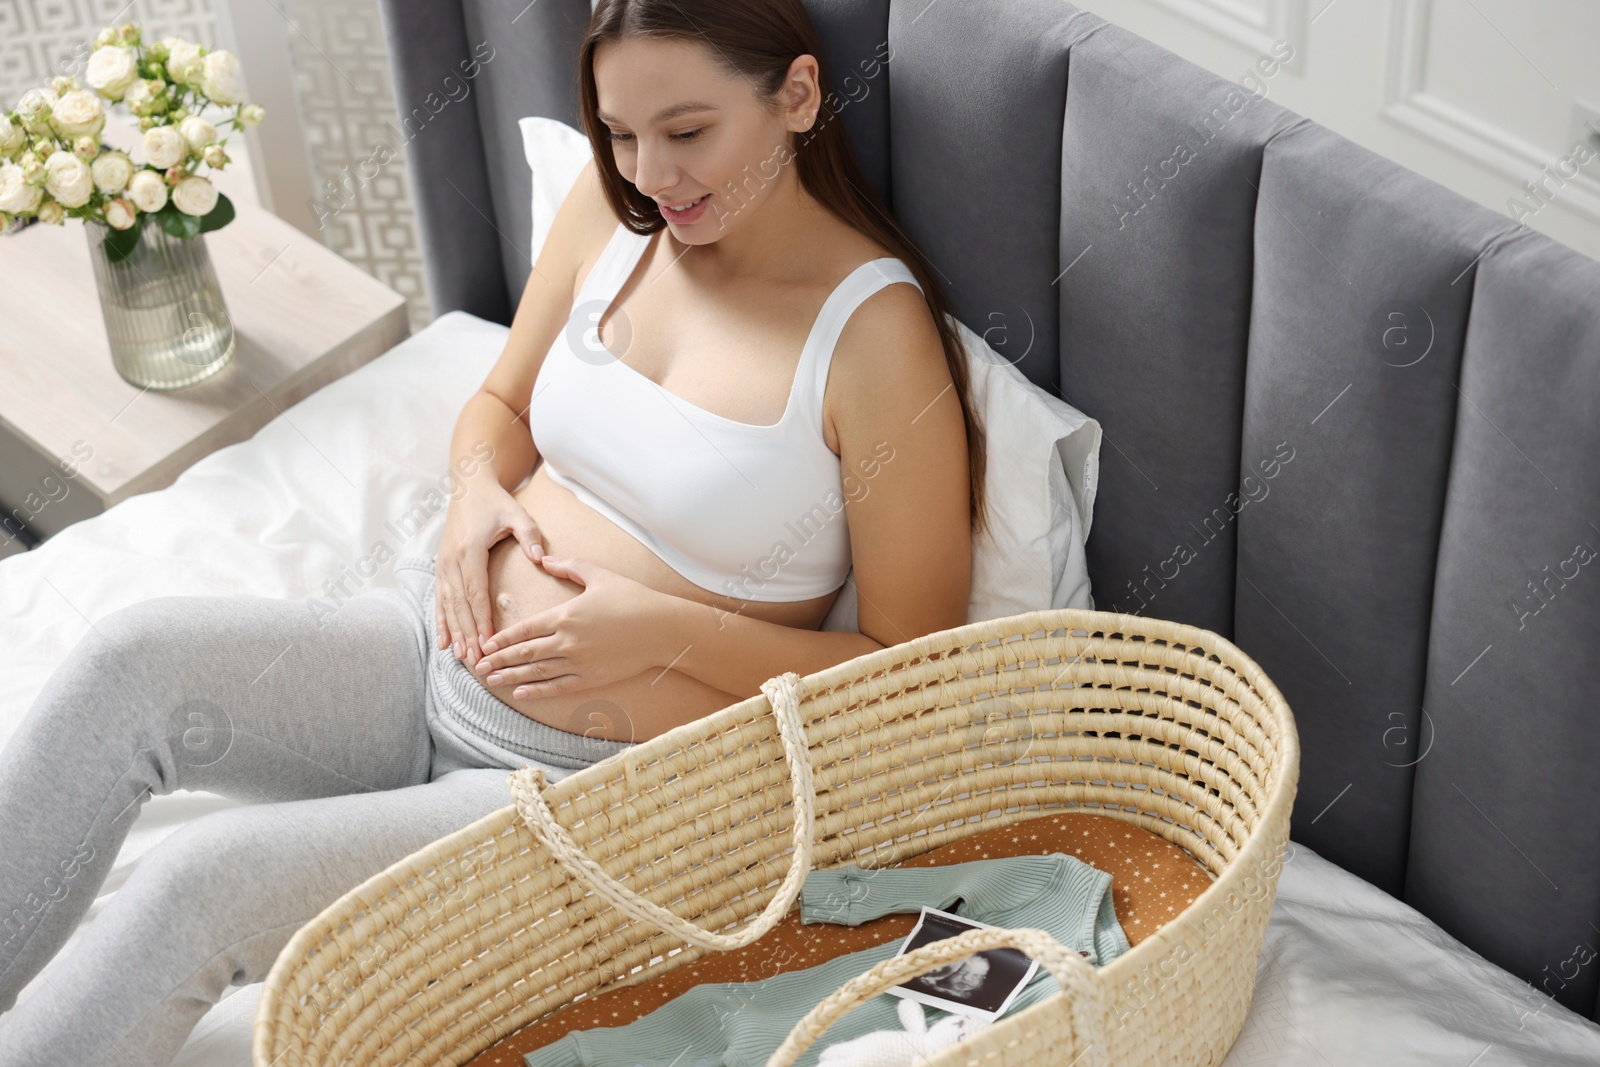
(728, 380)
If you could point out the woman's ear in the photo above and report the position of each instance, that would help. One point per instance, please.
(801, 93)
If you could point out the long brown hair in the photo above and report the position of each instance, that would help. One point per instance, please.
(759, 41)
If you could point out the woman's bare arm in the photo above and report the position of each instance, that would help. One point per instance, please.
(491, 448)
(910, 532)
(497, 413)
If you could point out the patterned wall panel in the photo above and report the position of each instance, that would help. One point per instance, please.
(347, 105)
(40, 39)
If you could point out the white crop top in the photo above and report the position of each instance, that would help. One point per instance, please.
(751, 511)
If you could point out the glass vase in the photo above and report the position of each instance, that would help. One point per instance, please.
(165, 317)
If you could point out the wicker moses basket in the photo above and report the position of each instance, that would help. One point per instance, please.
(701, 837)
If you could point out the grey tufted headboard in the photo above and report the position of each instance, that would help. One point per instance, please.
(1352, 420)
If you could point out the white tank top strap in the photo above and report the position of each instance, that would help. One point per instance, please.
(616, 261)
(851, 293)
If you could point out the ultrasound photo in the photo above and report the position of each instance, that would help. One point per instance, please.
(981, 985)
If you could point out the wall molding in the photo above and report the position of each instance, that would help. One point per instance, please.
(280, 162)
(1254, 24)
(1407, 103)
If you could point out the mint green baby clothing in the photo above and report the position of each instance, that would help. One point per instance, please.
(740, 1024)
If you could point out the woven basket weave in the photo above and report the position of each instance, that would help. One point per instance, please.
(699, 839)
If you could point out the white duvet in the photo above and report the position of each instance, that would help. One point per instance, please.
(1349, 975)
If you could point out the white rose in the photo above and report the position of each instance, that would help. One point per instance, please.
(17, 197)
(195, 196)
(111, 171)
(78, 114)
(34, 110)
(164, 147)
(221, 79)
(120, 214)
(182, 56)
(111, 70)
(67, 178)
(251, 115)
(12, 136)
(147, 190)
(197, 131)
(52, 213)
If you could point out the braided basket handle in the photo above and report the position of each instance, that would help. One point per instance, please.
(783, 696)
(1072, 974)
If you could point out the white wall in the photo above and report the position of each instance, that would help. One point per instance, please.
(1482, 96)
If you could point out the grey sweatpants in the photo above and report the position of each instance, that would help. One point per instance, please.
(352, 738)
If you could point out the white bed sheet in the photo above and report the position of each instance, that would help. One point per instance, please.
(1348, 975)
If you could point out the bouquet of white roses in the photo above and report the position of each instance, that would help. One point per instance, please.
(53, 166)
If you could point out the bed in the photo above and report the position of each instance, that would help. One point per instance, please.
(1349, 974)
(1348, 414)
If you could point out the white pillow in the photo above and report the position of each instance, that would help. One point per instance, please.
(1043, 454)
(556, 154)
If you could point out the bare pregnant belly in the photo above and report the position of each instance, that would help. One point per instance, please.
(633, 709)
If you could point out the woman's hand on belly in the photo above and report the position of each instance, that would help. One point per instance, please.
(475, 523)
(609, 632)
(650, 702)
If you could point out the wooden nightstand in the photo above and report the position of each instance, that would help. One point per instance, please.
(304, 317)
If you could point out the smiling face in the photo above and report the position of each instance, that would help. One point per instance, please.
(683, 129)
